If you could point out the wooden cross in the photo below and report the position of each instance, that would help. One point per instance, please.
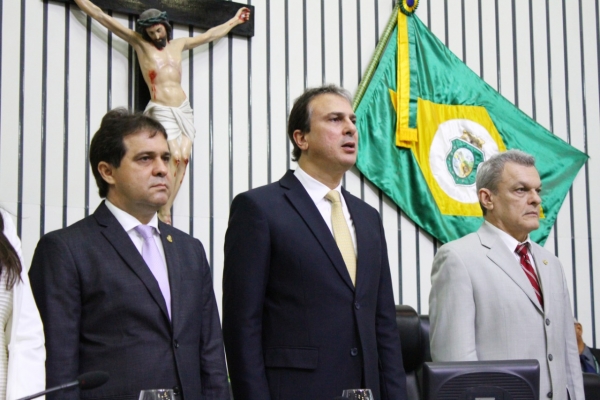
(203, 14)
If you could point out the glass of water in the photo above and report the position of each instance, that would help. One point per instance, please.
(358, 394)
(156, 394)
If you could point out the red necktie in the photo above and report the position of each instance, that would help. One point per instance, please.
(521, 250)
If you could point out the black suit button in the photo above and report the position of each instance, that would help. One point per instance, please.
(176, 390)
(550, 358)
(547, 321)
(357, 305)
(176, 344)
(354, 352)
(549, 395)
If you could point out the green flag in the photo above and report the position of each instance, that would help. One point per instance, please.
(426, 121)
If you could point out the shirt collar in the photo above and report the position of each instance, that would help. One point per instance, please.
(128, 221)
(508, 240)
(316, 190)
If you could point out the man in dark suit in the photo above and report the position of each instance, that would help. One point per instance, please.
(308, 307)
(122, 292)
(588, 356)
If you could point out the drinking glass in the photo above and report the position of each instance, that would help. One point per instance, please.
(358, 394)
(156, 394)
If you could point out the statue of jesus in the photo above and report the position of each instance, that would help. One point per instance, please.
(160, 61)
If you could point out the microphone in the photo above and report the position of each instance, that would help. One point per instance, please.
(92, 380)
(89, 380)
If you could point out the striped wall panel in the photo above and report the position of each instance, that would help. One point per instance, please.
(60, 72)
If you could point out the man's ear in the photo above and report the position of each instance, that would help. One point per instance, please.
(107, 172)
(300, 139)
(485, 198)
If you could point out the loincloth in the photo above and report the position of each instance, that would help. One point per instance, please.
(176, 120)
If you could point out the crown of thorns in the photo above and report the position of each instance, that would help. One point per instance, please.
(152, 17)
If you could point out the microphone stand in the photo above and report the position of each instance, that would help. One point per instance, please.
(51, 390)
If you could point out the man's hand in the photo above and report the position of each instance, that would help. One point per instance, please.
(243, 15)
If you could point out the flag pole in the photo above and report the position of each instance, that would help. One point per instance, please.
(385, 37)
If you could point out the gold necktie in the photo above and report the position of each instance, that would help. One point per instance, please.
(341, 233)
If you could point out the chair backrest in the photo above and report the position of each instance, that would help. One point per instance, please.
(591, 385)
(414, 339)
(425, 336)
(411, 338)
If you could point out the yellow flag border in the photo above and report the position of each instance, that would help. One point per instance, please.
(405, 135)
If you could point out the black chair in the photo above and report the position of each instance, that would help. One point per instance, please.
(425, 336)
(414, 338)
(591, 386)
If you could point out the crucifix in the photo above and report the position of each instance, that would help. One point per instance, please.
(159, 58)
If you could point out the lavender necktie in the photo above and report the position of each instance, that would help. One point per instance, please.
(155, 262)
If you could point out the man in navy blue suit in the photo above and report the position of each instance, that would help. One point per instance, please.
(308, 307)
(122, 292)
(588, 357)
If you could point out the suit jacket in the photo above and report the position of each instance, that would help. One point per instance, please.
(294, 326)
(595, 353)
(24, 332)
(103, 310)
(483, 307)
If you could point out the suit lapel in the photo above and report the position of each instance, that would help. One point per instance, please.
(541, 270)
(121, 242)
(307, 210)
(173, 262)
(500, 255)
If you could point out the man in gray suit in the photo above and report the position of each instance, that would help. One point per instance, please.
(122, 292)
(493, 298)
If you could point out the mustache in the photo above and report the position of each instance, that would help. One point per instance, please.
(160, 43)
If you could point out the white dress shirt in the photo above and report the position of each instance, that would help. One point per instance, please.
(317, 192)
(129, 222)
(511, 243)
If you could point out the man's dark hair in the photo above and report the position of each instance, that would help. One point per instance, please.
(108, 145)
(151, 17)
(301, 112)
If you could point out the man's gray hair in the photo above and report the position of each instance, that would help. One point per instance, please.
(489, 173)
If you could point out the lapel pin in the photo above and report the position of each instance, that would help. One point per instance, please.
(545, 262)
(170, 240)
